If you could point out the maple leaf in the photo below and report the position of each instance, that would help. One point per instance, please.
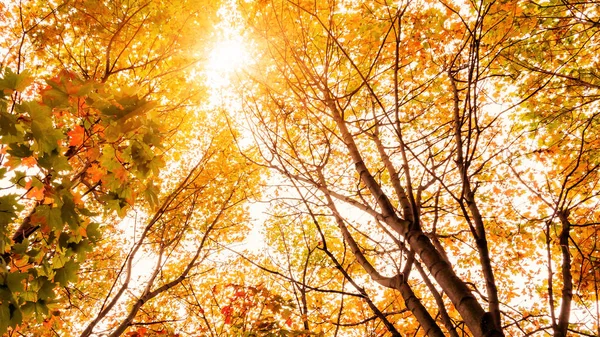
(76, 136)
(121, 173)
(95, 172)
(29, 161)
(38, 218)
(36, 193)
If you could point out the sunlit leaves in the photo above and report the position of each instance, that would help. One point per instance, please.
(49, 145)
(479, 116)
(471, 127)
(11, 81)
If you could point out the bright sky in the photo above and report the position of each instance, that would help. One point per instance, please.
(228, 56)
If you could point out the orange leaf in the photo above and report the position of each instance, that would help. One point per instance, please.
(96, 173)
(77, 136)
(92, 153)
(29, 161)
(36, 193)
(38, 219)
(121, 174)
(48, 322)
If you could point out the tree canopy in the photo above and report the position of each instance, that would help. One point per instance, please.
(374, 168)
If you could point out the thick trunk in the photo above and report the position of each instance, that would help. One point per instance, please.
(476, 319)
(459, 294)
(439, 301)
(397, 281)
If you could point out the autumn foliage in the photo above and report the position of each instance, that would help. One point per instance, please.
(380, 168)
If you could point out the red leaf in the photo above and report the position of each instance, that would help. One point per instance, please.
(226, 310)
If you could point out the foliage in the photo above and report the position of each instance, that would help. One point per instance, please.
(72, 149)
(426, 167)
(450, 143)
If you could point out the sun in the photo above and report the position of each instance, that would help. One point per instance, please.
(229, 53)
(227, 56)
(226, 61)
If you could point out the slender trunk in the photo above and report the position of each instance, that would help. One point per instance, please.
(414, 304)
(438, 300)
(149, 294)
(478, 230)
(567, 291)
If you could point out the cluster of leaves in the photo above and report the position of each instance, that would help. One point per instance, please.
(457, 142)
(255, 311)
(71, 152)
(422, 153)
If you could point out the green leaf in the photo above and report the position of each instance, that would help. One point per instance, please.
(107, 159)
(19, 150)
(20, 248)
(5, 293)
(93, 232)
(68, 213)
(28, 296)
(113, 132)
(55, 97)
(8, 124)
(54, 161)
(66, 274)
(18, 178)
(47, 270)
(63, 240)
(81, 248)
(8, 209)
(46, 290)
(52, 215)
(16, 316)
(14, 282)
(13, 81)
(39, 309)
(46, 135)
(151, 196)
(4, 317)
(129, 106)
(34, 254)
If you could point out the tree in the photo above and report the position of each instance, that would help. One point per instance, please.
(58, 154)
(89, 147)
(430, 168)
(432, 118)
